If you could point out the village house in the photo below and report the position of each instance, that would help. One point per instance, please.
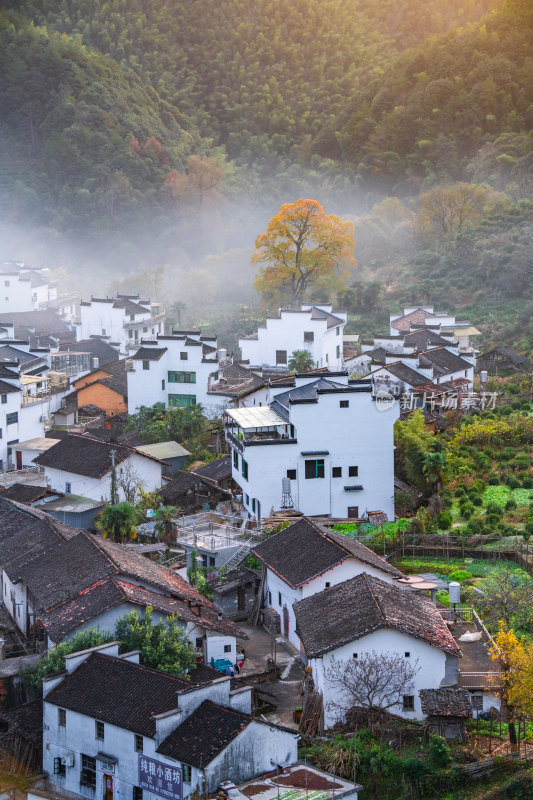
(83, 466)
(25, 288)
(174, 370)
(105, 388)
(420, 316)
(323, 447)
(99, 350)
(40, 328)
(366, 615)
(123, 320)
(58, 580)
(316, 329)
(307, 558)
(118, 729)
(172, 453)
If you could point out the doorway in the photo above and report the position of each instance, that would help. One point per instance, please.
(108, 787)
(18, 456)
(353, 512)
(286, 621)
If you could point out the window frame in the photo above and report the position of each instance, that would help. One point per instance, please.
(244, 469)
(291, 474)
(309, 337)
(59, 768)
(181, 376)
(336, 472)
(236, 459)
(344, 403)
(62, 717)
(182, 400)
(353, 471)
(136, 793)
(12, 418)
(186, 773)
(319, 467)
(184, 356)
(138, 743)
(99, 730)
(88, 771)
(279, 357)
(408, 702)
(146, 363)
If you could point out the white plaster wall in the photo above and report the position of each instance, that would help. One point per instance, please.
(9, 432)
(359, 435)
(287, 333)
(146, 387)
(15, 600)
(146, 470)
(431, 663)
(16, 295)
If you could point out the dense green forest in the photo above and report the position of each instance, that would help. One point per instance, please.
(161, 136)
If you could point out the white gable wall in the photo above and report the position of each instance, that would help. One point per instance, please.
(431, 663)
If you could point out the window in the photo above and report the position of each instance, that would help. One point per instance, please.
(130, 334)
(1, 434)
(6, 283)
(354, 655)
(236, 459)
(309, 336)
(99, 729)
(186, 769)
(4, 398)
(270, 599)
(146, 364)
(68, 487)
(477, 702)
(88, 771)
(407, 654)
(353, 512)
(336, 472)
(314, 468)
(184, 356)
(145, 330)
(59, 768)
(181, 377)
(132, 317)
(227, 648)
(181, 400)
(137, 793)
(291, 474)
(279, 598)
(466, 373)
(246, 500)
(61, 717)
(328, 584)
(253, 504)
(199, 642)
(103, 331)
(12, 418)
(353, 472)
(344, 403)
(338, 351)
(139, 743)
(408, 702)
(244, 469)
(281, 356)
(163, 384)
(338, 331)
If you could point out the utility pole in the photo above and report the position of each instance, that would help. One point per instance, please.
(114, 498)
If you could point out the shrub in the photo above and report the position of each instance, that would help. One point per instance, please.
(494, 508)
(527, 483)
(439, 751)
(478, 486)
(493, 480)
(510, 504)
(460, 491)
(447, 503)
(477, 500)
(493, 520)
(476, 526)
(521, 461)
(512, 482)
(507, 453)
(460, 575)
(444, 520)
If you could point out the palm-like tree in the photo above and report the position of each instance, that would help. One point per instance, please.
(118, 522)
(434, 467)
(301, 361)
(165, 526)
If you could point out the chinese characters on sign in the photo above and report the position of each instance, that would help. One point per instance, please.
(443, 400)
(159, 778)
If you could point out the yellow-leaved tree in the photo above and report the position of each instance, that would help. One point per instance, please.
(515, 659)
(302, 247)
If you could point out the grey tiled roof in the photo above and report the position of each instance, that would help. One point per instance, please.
(362, 605)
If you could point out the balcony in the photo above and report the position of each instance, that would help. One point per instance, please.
(246, 427)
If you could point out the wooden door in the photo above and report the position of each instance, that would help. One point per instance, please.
(19, 459)
(353, 512)
(108, 787)
(285, 621)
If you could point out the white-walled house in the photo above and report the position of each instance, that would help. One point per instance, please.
(174, 370)
(113, 729)
(333, 442)
(307, 558)
(83, 466)
(366, 615)
(314, 328)
(123, 320)
(57, 581)
(445, 324)
(25, 288)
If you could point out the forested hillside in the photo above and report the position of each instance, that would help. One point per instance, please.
(162, 135)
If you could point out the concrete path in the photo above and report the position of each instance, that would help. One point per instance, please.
(285, 694)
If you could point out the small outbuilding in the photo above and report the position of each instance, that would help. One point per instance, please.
(446, 710)
(171, 452)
